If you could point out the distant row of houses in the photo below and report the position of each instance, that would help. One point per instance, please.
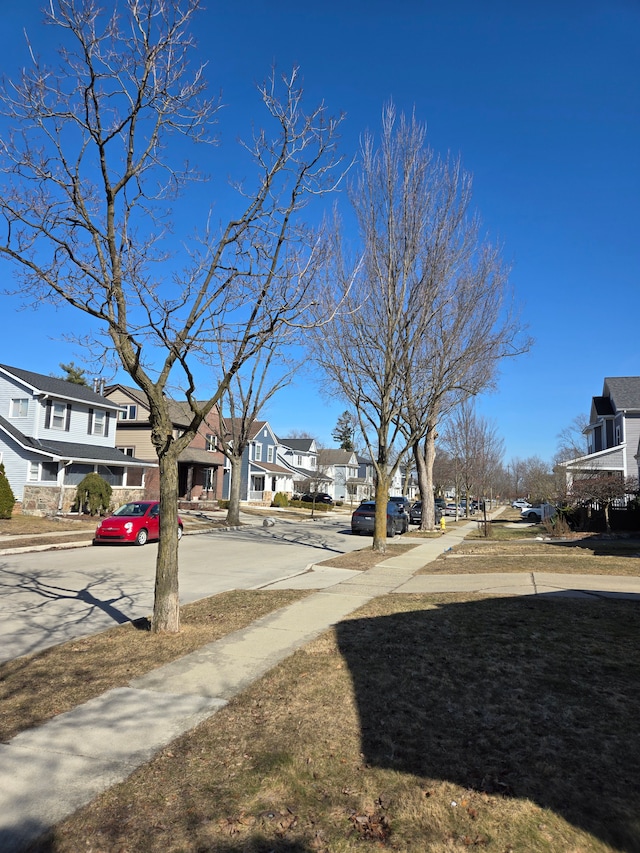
(54, 432)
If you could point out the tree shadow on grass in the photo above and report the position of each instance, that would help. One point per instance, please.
(519, 697)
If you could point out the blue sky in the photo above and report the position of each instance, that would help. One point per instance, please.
(542, 102)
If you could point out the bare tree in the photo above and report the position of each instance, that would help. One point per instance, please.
(382, 320)
(602, 489)
(251, 388)
(477, 448)
(95, 157)
(431, 299)
(572, 441)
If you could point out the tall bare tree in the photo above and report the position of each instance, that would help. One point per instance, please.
(249, 390)
(99, 147)
(430, 312)
(477, 448)
(383, 318)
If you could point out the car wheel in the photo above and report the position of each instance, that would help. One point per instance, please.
(141, 537)
(179, 532)
(533, 516)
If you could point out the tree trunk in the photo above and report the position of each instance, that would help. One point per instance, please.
(382, 499)
(166, 608)
(233, 512)
(424, 462)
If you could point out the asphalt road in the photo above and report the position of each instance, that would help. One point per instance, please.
(49, 597)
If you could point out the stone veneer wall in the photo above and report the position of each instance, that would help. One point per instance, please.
(43, 500)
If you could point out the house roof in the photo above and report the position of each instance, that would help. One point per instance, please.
(300, 444)
(624, 391)
(71, 450)
(179, 410)
(336, 457)
(42, 384)
(271, 468)
(234, 424)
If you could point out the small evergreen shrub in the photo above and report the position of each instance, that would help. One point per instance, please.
(280, 499)
(7, 498)
(93, 494)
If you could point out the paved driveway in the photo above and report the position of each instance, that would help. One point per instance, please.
(48, 597)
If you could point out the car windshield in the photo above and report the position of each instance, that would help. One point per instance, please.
(132, 509)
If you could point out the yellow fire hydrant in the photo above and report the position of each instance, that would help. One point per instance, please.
(443, 524)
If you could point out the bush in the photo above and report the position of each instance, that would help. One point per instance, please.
(93, 494)
(7, 498)
(280, 499)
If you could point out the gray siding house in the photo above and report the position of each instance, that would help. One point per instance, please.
(53, 433)
(613, 431)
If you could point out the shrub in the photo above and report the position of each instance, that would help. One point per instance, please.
(7, 498)
(280, 499)
(93, 494)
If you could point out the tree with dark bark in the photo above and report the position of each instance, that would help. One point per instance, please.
(429, 314)
(100, 146)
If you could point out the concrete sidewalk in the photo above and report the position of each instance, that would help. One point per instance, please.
(48, 772)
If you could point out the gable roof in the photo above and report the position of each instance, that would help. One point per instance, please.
(328, 456)
(39, 383)
(624, 391)
(301, 444)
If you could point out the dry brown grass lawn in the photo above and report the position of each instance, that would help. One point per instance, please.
(420, 723)
(36, 687)
(366, 558)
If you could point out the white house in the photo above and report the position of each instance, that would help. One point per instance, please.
(53, 433)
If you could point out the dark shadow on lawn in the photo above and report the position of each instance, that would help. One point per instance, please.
(517, 697)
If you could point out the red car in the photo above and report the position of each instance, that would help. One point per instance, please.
(137, 522)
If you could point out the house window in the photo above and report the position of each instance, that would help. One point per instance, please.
(98, 422)
(113, 474)
(270, 451)
(128, 413)
(19, 407)
(58, 415)
(128, 451)
(210, 479)
(43, 472)
(299, 461)
(212, 441)
(48, 472)
(134, 476)
(257, 452)
(75, 472)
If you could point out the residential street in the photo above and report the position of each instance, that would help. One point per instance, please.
(49, 597)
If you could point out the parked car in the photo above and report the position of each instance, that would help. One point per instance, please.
(463, 507)
(440, 503)
(538, 512)
(363, 518)
(138, 521)
(452, 509)
(317, 497)
(403, 501)
(520, 503)
(415, 513)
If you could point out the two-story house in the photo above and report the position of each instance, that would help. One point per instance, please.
(300, 456)
(341, 468)
(613, 431)
(261, 475)
(53, 433)
(201, 465)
